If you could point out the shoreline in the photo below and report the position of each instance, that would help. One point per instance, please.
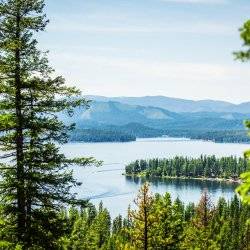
(233, 181)
(165, 137)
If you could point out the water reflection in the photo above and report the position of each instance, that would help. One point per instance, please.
(185, 185)
(107, 183)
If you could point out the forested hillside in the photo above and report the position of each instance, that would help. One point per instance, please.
(132, 131)
(156, 222)
(95, 135)
(118, 114)
(159, 223)
(144, 122)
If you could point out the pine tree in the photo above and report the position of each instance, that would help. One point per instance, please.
(141, 231)
(117, 224)
(79, 232)
(204, 210)
(35, 181)
(167, 225)
(189, 212)
(99, 231)
(197, 233)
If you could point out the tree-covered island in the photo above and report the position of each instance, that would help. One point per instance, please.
(204, 167)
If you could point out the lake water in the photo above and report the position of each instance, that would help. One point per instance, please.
(107, 183)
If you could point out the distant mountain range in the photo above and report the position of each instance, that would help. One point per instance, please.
(102, 114)
(178, 105)
(129, 117)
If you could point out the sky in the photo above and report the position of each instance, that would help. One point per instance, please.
(175, 48)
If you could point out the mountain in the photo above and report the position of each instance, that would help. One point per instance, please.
(114, 121)
(137, 130)
(178, 105)
(241, 108)
(103, 114)
(115, 113)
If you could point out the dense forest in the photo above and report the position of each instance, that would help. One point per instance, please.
(96, 135)
(157, 222)
(220, 136)
(203, 167)
(132, 131)
(138, 130)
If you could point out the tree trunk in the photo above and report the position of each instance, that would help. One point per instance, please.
(29, 182)
(21, 213)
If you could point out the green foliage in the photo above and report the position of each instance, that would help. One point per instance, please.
(217, 227)
(159, 223)
(245, 36)
(156, 223)
(244, 55)
(35, 176)
(95, 135)
(203, 167)
(244, 189)
(223, 136)
(141, 231)
(87, 229)
(131, 131)
(168, 222)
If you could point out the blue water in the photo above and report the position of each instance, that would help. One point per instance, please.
(107, 184)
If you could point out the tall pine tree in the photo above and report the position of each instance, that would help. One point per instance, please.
(141, 230)
(35, 180)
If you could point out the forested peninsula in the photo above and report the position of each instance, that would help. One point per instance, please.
(204, 167)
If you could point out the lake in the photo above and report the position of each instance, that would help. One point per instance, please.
(107, 184)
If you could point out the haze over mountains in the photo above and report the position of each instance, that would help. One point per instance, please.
(161, 113)
(178, 105)
(123, 118)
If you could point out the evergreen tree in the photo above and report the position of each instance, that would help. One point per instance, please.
(141, 231)
(35, 182)
(204, 210)
(117, 225)
(170, 226)
(167, 225)
(179, 167)
(244, 56)
(79, 232)
(198, 233)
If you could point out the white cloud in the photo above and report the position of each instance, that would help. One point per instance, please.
(114, 76)
(161, 69)
(197, 1)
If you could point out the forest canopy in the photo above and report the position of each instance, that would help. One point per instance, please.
(202, 167)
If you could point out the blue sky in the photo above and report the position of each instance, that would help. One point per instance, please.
(178, 48)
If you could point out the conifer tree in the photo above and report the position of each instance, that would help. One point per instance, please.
(79, 232)
(141, 231)
(167, 222)
(197, 233)
(117, 224)
(99, 230)
(244, 56)
(35, 182)
(204, 210)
